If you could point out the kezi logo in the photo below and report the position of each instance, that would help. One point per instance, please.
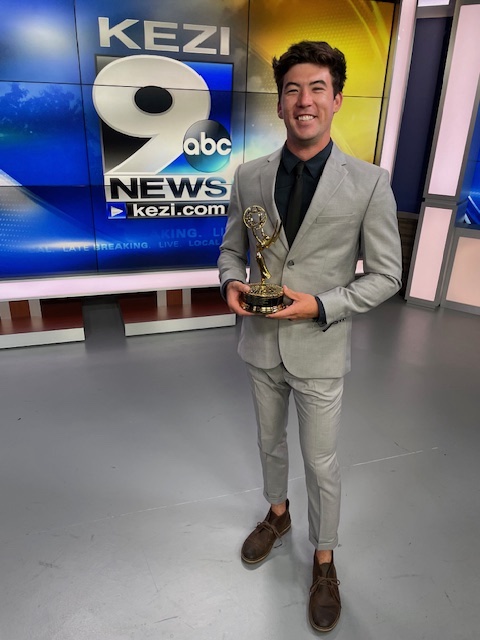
(160, 112)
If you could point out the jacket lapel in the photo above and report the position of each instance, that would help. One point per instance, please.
(268, 175)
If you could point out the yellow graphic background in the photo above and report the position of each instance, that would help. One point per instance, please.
(361, 29)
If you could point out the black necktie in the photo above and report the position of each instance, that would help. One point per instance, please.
(293, 219)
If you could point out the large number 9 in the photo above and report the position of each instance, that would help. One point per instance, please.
(150, 97)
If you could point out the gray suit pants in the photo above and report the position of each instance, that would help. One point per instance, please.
(318, 402)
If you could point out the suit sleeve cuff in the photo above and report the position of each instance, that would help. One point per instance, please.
(322, 316)
(223, 288)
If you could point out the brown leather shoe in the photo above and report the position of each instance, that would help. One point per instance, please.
(324, 608)
(260, 542)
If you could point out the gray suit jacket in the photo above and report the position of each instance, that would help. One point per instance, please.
(353, 208)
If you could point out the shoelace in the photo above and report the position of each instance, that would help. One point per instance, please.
(272, 529)
(325, 582)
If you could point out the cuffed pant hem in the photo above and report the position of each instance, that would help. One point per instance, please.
(272, 500)
(325, 546)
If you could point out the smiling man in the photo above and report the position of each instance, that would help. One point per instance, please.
(331, 206)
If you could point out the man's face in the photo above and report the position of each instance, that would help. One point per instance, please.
(307, 106)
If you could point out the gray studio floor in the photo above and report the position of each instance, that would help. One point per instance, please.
(129, 478)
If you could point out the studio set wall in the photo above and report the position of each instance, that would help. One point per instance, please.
(121, 124)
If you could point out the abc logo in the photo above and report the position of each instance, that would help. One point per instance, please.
(207, 145)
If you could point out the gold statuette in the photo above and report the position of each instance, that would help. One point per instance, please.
(262, 298)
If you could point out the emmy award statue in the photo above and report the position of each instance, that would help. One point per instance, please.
(262, 298)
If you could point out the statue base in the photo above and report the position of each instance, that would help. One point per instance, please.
(263, 299)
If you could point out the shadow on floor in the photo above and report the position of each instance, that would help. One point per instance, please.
(103, 323)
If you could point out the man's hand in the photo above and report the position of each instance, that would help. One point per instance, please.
(234, 293)
(304, 306)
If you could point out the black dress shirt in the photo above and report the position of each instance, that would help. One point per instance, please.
(311, 175)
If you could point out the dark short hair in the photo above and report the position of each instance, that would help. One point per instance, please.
(315, 52)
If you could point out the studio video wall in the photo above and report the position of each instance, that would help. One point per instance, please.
(469, 215)
(122, 123)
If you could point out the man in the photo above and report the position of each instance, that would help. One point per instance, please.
(346, 206)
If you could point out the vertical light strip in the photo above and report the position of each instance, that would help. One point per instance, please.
(458, 104)
(433, 3)
(401, 66)
(464, 285)
(431, 246)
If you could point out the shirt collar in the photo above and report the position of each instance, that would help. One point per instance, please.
(314, 165)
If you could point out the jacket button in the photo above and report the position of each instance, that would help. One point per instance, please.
(290, 263)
